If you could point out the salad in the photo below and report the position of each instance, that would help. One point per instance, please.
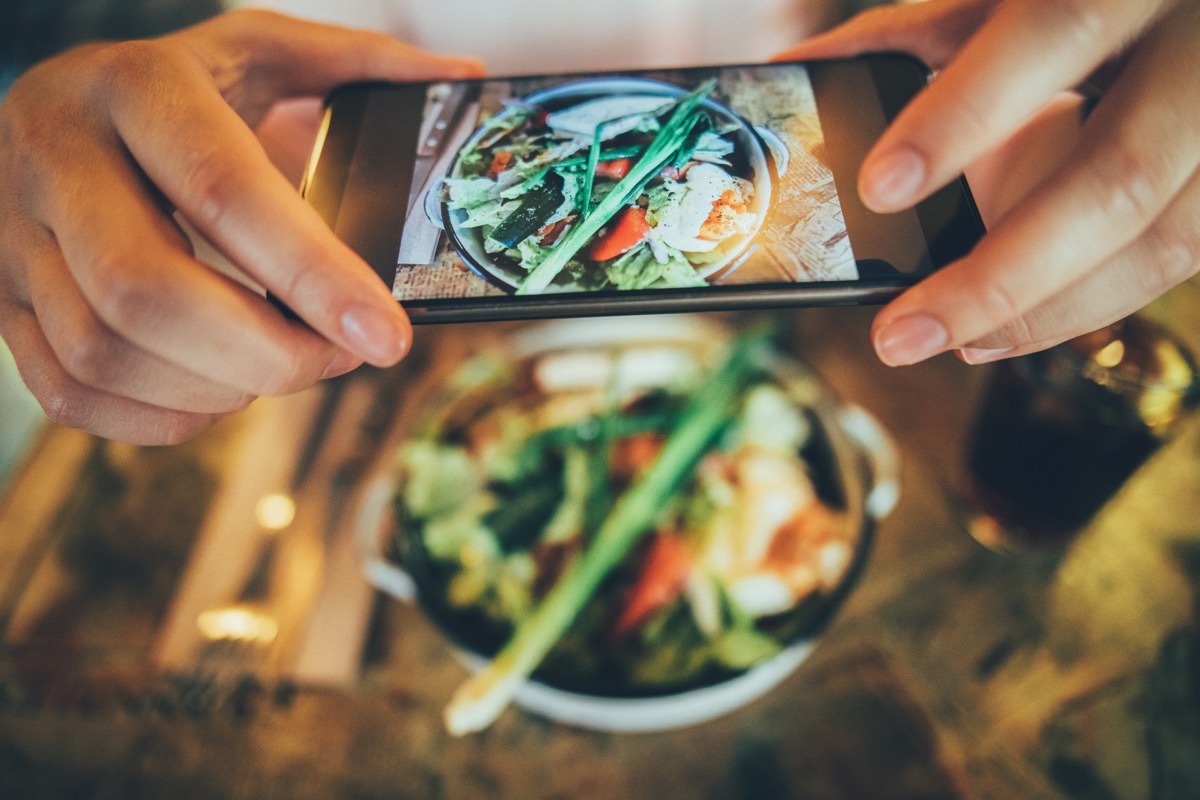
(625, 190)
(622, 521)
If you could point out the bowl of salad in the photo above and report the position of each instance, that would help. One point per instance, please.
(627, 524)
(607, 183)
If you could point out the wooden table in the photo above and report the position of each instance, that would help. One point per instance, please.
(953, 672)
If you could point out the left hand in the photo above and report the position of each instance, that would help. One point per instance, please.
(114, 323)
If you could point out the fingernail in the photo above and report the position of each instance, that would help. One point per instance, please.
(910, 339)
(377, 336)
(342, 363)
(892, 181)
(982, 355)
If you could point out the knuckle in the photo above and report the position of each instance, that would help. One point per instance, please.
(308, 276)
(1001, 309)
(86, 357)
(210, 181)
(31, 138)
(1087, 23)
(64, 406)
(1127, 185)
(124, 293)
(223, 400)
(238, 403)
(973, 119)
(181, 427)
(130, 63)
(999, 302)
(24, 135)
(1174, 255)
(291, 373)
(122, 297)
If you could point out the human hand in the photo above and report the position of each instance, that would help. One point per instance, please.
(115, 326)
(1110, 227)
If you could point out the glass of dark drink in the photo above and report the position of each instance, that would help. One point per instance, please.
(1058, 432)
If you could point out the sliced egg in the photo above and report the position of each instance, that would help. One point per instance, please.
(679, 225)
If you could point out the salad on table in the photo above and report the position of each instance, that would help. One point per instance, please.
(622, 521)
(625, 190)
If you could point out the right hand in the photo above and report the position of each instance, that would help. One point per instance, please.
(1113, 219)
(115, 326)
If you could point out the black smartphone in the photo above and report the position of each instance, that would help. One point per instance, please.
(708, 188)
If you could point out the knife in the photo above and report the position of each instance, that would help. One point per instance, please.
(443, 102)
(447, 127)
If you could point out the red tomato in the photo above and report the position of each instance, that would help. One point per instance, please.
(500, 162)
(663, 575)
(613, 170)
(626, 231)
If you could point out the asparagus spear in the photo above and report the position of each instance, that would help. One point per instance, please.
(483, 696)
(670, 137)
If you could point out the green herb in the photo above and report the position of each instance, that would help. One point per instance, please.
(693, 139)
(518, 521)
(481, 699)
(589, 175)
(670, 137)
(605, 155)
(587, 430)
(599, 497)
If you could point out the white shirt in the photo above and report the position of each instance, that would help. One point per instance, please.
(532, 36)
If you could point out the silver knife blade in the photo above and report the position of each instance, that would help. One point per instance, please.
(420, 237)
(441, 107)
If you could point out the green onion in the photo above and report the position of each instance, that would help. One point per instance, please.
(605, 155)
(670, 137)
(486, 694)
(589, 175)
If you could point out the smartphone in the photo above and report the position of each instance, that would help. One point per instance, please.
(707, 188)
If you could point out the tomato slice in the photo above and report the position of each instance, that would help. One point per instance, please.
(615, 169)
(663, 575)
(625, 232)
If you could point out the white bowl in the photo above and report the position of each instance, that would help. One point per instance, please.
(869, 463)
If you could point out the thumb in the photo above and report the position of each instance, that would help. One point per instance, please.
(259, 56)
(931, 31)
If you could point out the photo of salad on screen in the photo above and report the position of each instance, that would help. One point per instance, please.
(678, 180)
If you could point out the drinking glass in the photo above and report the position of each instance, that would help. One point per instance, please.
(1058, 432)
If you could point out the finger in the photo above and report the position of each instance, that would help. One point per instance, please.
(208, 163)
(287, 134)
(1024, 53)
(932, 31)
(14, 280)
(93, 355)
(134, 267)
(276, 56)
(1004, 177)
(1100, 201)
(70, 403)
(1164, 256)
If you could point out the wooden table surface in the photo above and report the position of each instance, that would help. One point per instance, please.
(952, 672)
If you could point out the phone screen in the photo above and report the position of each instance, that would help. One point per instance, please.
(697, 188)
